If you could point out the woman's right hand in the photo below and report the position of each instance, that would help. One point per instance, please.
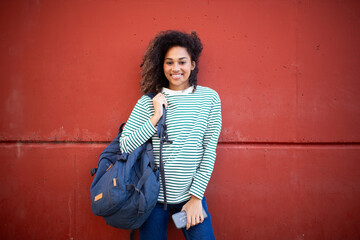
(158, 101)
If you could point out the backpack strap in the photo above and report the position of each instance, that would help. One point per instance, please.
(121, 128)
(163, 135)
(151, 95)
(143, 179)
(132, 234)
(118, 156)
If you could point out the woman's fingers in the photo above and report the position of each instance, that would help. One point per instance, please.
(201, 219)
(188, 222)
(160, 98)
(193, 209)
(158, 101)
(193, 220)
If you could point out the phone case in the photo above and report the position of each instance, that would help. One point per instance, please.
(180, 219)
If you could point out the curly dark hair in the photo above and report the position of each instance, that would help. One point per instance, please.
(152, 72)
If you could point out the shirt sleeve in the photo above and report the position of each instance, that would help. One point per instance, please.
(138, 128)
(210, 141)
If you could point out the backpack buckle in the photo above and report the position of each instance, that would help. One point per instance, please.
(93, 171)
(123, 157)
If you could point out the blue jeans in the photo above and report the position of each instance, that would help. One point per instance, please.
(155, 227)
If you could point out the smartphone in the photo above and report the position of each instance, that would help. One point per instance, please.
(180, 218)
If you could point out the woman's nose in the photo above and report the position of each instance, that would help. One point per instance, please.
(176, 67)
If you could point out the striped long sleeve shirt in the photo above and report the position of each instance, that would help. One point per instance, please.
(193, 123)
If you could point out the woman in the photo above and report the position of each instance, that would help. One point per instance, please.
(169, 68)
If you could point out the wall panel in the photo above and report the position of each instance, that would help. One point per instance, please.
(70, 70)
(255, 192)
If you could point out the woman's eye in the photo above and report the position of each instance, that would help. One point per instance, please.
(168, 63)
(182, 63)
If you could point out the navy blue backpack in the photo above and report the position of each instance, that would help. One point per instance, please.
(125, 188)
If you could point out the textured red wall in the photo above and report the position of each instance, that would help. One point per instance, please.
(288, 74)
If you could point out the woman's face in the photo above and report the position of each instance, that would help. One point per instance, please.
(177, 68)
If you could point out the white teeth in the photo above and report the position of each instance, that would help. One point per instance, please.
(176, 75)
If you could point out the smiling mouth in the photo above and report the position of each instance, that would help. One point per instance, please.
(176, 76)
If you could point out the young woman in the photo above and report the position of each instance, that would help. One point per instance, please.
(169, 68)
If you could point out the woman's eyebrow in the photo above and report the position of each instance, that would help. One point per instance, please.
(179, 58)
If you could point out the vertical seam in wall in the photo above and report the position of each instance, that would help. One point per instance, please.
(75, 206)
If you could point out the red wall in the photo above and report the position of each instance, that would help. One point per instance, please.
(288, 74)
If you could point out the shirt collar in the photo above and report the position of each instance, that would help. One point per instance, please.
(178, 92)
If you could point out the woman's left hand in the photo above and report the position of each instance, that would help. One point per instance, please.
(194, 214)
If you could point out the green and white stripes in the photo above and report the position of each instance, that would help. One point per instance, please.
(193, 121)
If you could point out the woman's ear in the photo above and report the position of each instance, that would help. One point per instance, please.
(193, 64)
